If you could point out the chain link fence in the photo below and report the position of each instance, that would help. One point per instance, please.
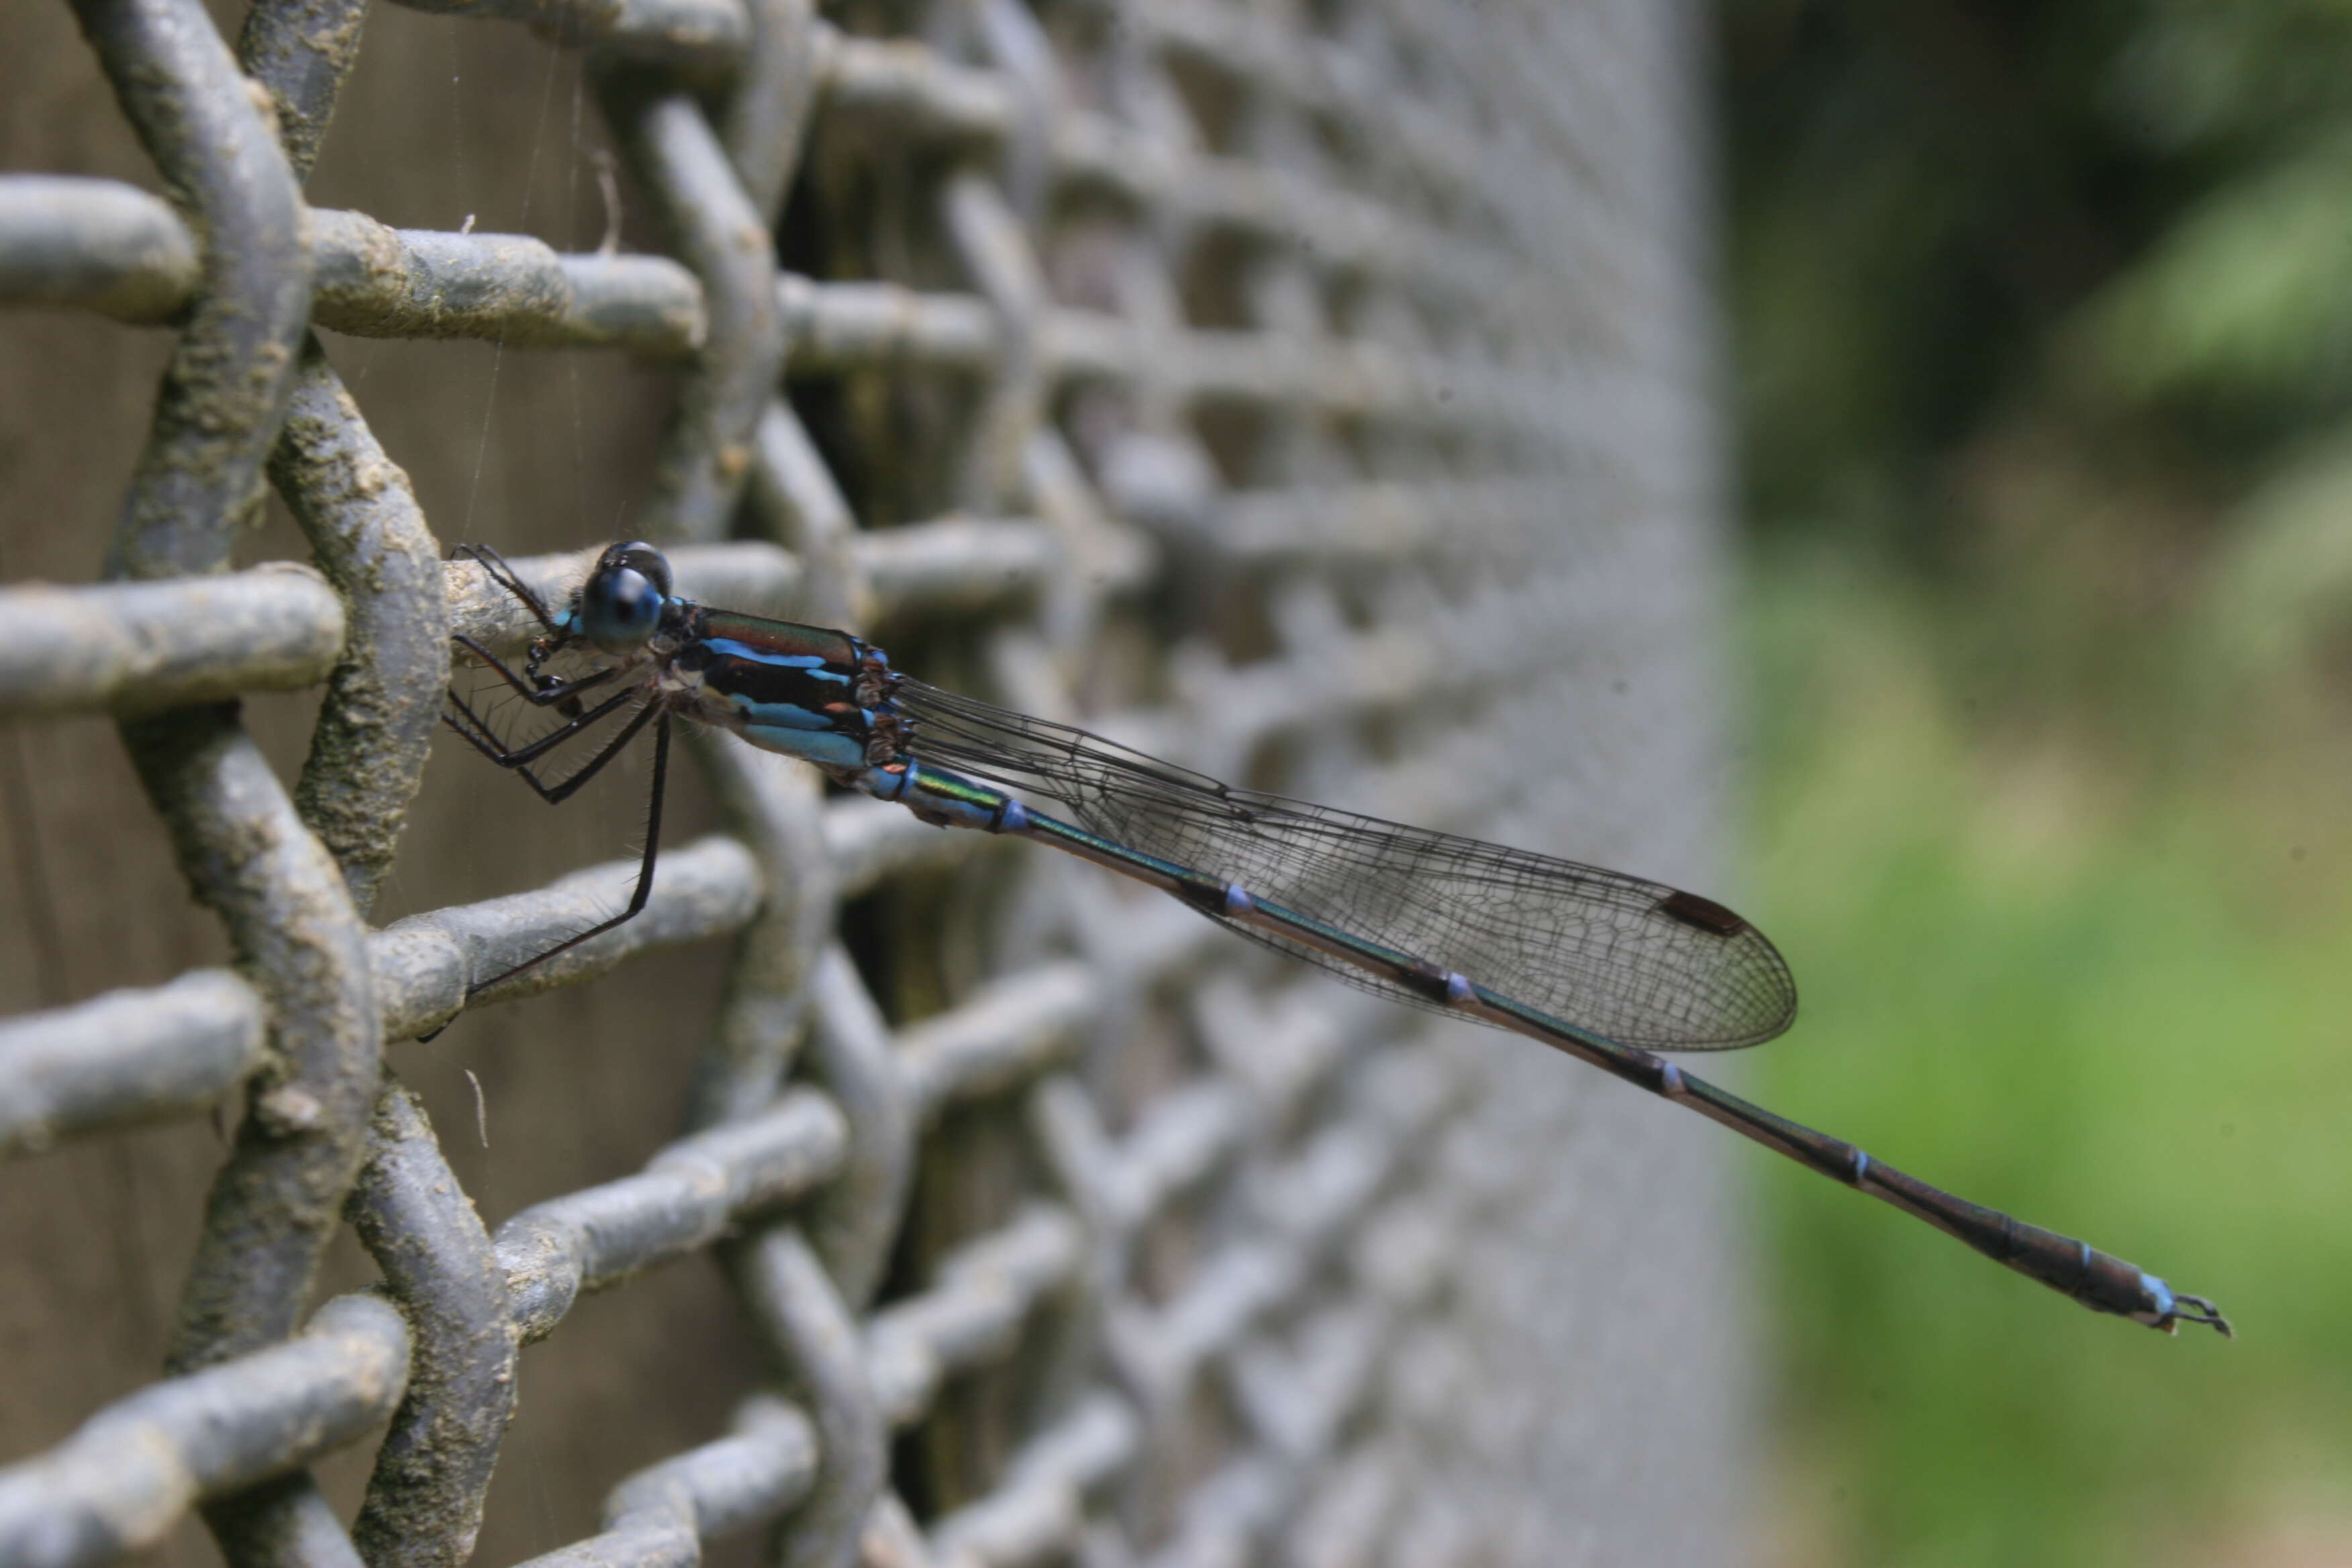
(1316, 393)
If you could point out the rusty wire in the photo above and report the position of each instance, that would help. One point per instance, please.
(1366, 349)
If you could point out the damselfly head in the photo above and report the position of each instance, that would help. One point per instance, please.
(621, 603)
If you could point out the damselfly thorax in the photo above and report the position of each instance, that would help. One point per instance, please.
(820, 695)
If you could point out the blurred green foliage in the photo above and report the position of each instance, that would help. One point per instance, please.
(2044, 320)
(2115, 1010)
(1991, 259)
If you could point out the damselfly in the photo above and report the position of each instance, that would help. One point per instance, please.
(1604, 966)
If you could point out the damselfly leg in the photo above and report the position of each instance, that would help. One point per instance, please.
(469, 723)
(540, 692)
(660, 718)
(518, 761)
(494, 566)
(548, 692)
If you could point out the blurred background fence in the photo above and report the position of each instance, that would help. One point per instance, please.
(1317, 393)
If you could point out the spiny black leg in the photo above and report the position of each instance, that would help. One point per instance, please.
(487, 742)
(545, 696)
(556, 795)
(491, 745)
(645, 867)
(494, 565)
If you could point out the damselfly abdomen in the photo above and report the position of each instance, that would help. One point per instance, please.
(1606, 967)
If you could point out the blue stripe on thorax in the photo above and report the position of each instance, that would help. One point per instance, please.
(809, 663)
(781, 715)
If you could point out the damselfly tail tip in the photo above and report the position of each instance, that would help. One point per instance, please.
(2197, 1309)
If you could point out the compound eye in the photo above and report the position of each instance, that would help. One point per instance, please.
(643, 559)
(619, 608)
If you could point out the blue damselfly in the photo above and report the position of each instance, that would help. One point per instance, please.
(1606, 967)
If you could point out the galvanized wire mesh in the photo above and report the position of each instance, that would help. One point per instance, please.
(1315, 392)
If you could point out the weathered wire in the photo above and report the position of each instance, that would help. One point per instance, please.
(1354, 407)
